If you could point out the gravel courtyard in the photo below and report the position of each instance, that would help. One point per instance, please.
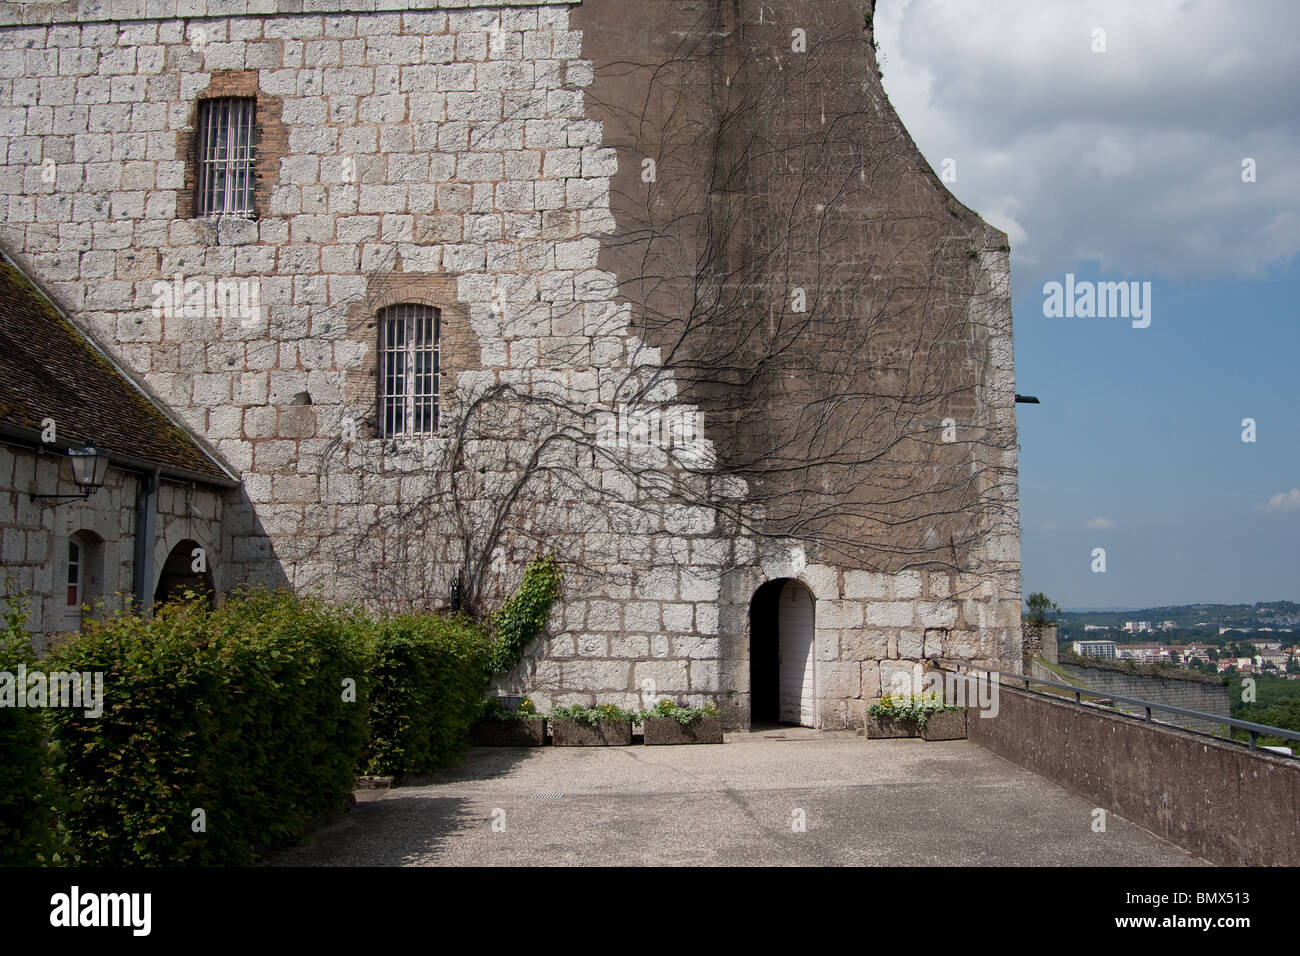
(777, 797)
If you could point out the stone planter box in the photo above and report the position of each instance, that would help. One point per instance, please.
(528, 732)
(881, 727)
(607, 733)
(670, 730)
(946, 725)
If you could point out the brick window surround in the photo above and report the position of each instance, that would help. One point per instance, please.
(270, 138)
(458, 346)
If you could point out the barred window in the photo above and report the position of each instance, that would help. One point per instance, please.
(408, 370)
(225, 155)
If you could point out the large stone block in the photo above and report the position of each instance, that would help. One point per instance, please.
(906, 585)
(839, 614)
(911, 643)
(866, 584)
(822, 580)
(597, 675)
(840, 679)
(864, 644)
(889, 613)
(900, 677)
(669, 677)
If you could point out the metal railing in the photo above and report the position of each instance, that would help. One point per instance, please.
(1148, 706)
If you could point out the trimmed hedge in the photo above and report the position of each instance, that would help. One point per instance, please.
(27, 794)
(236, 710)
(428, 677)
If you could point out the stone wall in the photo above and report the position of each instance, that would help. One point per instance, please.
(1219, 801)
(1039, 643)
(1190, 691)
(34, 535)
(447, 154)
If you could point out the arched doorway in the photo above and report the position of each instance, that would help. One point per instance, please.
(186, 569)
(782, 658)
(85, 576)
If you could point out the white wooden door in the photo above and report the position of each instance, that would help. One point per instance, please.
(798, 676)
(72, 607)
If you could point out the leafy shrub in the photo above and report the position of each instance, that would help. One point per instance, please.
(258, 712)
(593, 715)
(237, 711)
(524, 616)
(28, 834)
(1040, 606)
(493, 709)
(683, 715)
(428, 675)
(908, 709)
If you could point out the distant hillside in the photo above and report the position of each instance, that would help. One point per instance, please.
(1203, 618)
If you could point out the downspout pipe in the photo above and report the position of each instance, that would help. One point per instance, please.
(146, 531)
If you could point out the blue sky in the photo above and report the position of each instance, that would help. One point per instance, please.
(1125, 164)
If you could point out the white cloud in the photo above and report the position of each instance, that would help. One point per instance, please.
(1132, 156)
(1100, 524)
(1283, 503)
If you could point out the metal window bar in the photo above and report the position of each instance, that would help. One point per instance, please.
(225, 175)
(409, 382)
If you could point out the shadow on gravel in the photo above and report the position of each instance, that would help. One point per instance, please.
(394, 831)
(480, 763)
(397, 828)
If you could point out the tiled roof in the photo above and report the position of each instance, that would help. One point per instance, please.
(49, 369)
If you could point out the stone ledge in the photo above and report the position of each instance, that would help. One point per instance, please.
(45, 12)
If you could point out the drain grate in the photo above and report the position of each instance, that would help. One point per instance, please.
(547, 796)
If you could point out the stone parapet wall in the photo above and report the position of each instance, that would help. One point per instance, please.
(1210, 697)
(1219, 801)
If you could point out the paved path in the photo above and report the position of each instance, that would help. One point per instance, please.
(879, 802)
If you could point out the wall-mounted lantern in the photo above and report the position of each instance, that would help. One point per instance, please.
(89, 465)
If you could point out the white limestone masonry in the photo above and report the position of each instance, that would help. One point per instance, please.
(442, 145)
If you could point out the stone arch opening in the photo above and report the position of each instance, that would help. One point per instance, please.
(186, 569)
(782, 654)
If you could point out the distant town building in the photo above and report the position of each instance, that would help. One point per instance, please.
(1142, 652)
(1104, 649)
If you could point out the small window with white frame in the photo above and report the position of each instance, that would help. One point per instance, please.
(226, 157)
(74, 575)
(408, 371)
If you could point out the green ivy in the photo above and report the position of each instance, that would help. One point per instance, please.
(525, 615)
